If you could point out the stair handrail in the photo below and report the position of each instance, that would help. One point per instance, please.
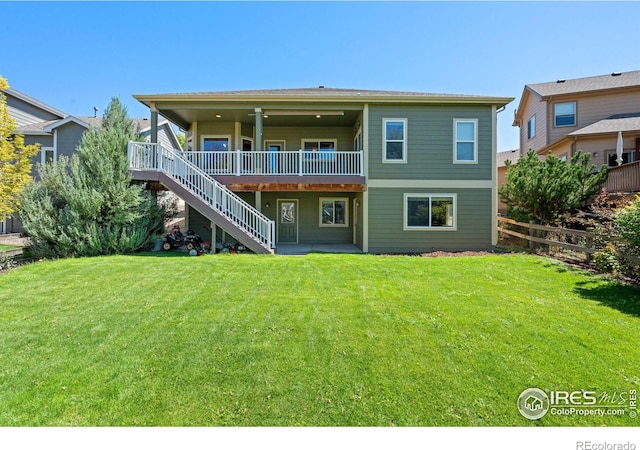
(151, 156)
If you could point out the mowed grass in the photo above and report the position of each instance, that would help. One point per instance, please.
(320, 340)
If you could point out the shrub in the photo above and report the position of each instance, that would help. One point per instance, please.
(627, 223)
(88, 205)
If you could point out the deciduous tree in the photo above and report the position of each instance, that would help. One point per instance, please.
(15, 158)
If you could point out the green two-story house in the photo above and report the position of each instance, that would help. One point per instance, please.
(386, 171)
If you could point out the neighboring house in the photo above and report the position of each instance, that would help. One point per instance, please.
(586, 114)
(59, 133)
(386, 171)
(502, 158)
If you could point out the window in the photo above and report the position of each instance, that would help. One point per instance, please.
(627, 157)
(47, 155)
(323, 150)
(531, 128)
(333, 212)
(215, 143)
(215, 158)
(394, 137)
(466, 141)
(564, 114)
(429, 211)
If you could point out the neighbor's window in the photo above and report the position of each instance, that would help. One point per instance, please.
(429, 211)
(394, 137)
(531, 127)
(564, 114)
(627, 157)
(333, 212)
(466, 141)
(48, 155)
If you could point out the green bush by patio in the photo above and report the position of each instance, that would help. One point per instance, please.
(340, 340)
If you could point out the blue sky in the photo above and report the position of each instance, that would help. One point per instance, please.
(77, 55)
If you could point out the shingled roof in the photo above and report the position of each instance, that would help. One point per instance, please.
(615, 80)
(320, 91)
(613, 124)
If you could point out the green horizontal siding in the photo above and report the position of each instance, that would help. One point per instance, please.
(430, 142)
(386, 234)
(309, 231)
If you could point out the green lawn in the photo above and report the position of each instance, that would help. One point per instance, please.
(338, 340)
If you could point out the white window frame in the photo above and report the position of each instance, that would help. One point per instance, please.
(43, 153)
(404, 141)
(429, 195)
(215, 136)
(346, 212)
(531, 127)
(318, 141)
(455, 141)
(575, 115)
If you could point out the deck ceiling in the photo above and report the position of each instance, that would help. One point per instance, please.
(186, 115)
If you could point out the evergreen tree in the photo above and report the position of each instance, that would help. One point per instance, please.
(545, 191)
(15, 159)
(88, 205)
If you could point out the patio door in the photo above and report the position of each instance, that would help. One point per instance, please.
(273, 147)
(288, 221)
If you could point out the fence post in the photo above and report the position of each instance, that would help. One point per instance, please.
(532, 245)
(589, 245)
(238, 161)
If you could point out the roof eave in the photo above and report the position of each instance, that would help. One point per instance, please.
(148, 100)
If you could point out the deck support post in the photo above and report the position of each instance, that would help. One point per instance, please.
(258, 143)
(154, 124)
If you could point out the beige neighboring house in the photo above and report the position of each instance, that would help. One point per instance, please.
(501, 163)
(586, 114)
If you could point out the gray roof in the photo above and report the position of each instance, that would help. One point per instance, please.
(320, 91)
(39, 127)
(615, 80)
(613, 124)
(509, 155)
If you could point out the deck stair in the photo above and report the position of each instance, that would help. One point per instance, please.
(153, 162)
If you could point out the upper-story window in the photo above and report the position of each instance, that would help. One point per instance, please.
(394, 137)
(564, 114)
(531, 128)
(465, 149)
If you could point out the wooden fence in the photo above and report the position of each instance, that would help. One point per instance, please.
(624, 178)
(588, 238)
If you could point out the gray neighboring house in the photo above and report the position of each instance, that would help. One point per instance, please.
(59, 133)
(386, 171)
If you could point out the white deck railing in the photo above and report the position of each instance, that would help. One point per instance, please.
(298, 162)
(146, 156)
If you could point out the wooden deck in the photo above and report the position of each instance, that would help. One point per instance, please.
(625, 178)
